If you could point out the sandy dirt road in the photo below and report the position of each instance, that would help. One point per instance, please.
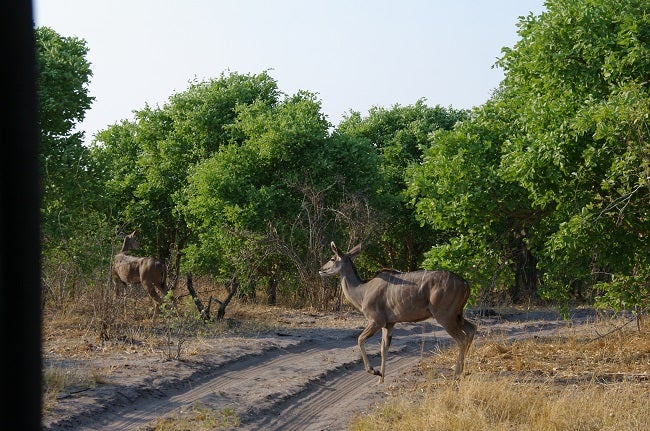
(298, 379)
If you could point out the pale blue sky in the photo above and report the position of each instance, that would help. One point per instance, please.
(353, 54)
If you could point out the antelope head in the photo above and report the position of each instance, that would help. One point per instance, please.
(130, 242)
(335, 265)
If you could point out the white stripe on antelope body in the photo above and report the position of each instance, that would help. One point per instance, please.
(392, 297)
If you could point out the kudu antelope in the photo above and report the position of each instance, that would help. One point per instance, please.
(149, 272)
(392, 297)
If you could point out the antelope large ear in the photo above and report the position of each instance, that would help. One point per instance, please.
(355, 250)
(337, 251)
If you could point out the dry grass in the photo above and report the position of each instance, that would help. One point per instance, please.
(572, 381)
(508, 404)
(96, 325)
(55, 379)
(83, 329)
(199, 417)
(568, 382)
(109, 322)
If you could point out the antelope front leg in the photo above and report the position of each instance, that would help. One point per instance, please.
(386, 338)
(118, 287)
(370, 330)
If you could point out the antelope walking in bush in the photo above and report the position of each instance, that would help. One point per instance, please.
(148, 271)
(392, 297)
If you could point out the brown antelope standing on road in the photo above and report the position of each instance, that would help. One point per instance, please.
(392, 297)
(148, 271)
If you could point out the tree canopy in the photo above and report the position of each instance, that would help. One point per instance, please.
(63, 74)
(578, 81)
(542, 192)
(557, 162)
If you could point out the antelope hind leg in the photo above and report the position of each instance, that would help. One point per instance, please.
(151, 290)
(454, 327)
(386, 338)
(470, 331)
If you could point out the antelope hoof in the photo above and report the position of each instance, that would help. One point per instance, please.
(374, 372)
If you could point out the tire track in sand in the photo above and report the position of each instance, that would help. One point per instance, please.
(241, 384)
(316, 384)
(332, 403)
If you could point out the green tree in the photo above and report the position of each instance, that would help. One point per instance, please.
(68, 221)
(63, 74)
(259, 204)
(145, 163)
(554, 169)
(578, 83)
(399, 135)
(485, 223)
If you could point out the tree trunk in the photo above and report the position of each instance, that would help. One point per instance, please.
(204, 311)
(525, 268)
(234, 285)
(272, 291)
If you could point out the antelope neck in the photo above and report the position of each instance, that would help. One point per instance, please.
(351, 284)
